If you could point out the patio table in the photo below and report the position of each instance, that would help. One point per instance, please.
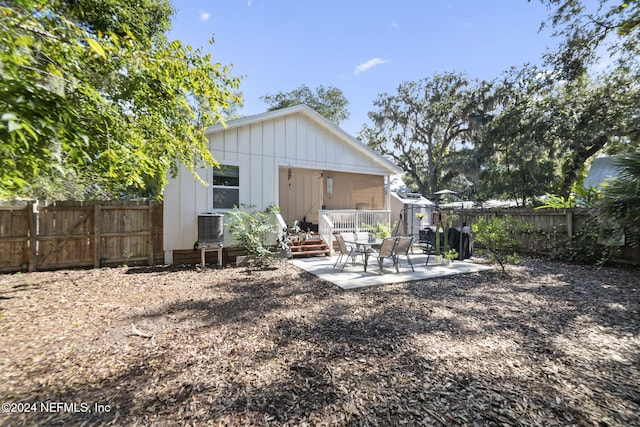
(364, 246)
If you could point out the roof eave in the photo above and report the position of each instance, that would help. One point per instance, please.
(317, 118)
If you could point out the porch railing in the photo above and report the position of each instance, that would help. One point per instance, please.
(350, 221)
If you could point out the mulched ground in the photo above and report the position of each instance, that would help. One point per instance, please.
(550, 344)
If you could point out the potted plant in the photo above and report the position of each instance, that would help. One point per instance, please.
(445, 247)
(451, 255)
(379, 231)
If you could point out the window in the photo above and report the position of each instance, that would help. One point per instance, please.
(226, 187)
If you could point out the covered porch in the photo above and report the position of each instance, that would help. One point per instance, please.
(329, 201)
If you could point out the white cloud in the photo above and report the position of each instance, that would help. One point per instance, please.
(204, 16)
(395, 25)
(249, 3)
(369, 64)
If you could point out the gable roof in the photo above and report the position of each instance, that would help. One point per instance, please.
(316, 118)
(602, 169)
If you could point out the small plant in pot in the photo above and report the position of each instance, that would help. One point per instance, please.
(438, 255)
(379, 231)
(451, 255)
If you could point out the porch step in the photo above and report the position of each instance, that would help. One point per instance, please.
(310, 247)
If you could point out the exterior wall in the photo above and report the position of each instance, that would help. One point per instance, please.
(355, 191)
(184, 199)
(301, 194)
(261, 149)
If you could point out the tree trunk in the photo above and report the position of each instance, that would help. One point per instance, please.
(576, 162)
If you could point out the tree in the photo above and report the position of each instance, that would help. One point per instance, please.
(421, 127)
(591, 115)
(546, 130)
(329, 101)
(585, 29)
(95, 89)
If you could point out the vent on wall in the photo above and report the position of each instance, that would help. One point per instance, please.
(210, 228)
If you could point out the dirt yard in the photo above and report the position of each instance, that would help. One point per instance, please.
(551, 344)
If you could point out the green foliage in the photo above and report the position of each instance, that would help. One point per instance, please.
(421, 125)
(251, 229)
(558, 202)
(579, 197)
(445, 236)
(546, 131)
(329, 101)
(589, 29)
(96, 90)
(586, 197)
(498, 237)
(582, 247)
(380, 231)
(620, 201)
(451, 254)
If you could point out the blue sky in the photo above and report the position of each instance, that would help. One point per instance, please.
(364, 48)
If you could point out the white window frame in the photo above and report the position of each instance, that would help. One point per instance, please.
(225, 187)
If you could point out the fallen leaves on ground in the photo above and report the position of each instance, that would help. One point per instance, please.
(549, 344)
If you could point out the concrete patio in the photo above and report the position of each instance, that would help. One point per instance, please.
(354, 276)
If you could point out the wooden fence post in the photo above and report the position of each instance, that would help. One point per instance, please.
(33, 230)
(151, 234)
(96, 235)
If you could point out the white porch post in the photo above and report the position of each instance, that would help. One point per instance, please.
(387, 191)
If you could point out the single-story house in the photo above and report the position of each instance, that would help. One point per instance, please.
(293, 158)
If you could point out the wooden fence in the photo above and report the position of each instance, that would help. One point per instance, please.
(549, 228)
(76, 234)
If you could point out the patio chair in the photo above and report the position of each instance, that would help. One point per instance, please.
(428, 243)
(346, 251)
(404, 247)
(387, 250)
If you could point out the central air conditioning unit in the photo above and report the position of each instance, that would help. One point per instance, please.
(210, 230)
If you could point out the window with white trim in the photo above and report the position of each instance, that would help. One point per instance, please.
(226, 187)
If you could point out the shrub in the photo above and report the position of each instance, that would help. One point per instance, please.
(585, 246)
(251, 229)
(498, 237)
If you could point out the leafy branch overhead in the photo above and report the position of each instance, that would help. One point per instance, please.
(329, 101)
(95, 89)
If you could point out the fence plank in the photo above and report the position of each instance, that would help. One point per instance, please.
(14, 237)
(69, 230)
(150, 236)
(33, 232)
(96, 236)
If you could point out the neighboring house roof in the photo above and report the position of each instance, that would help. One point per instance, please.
(397, 184)
(602, 169)
(412, 198)
(487, 204)
(318, 119)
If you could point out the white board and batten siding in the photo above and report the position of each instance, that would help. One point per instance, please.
(295, 137)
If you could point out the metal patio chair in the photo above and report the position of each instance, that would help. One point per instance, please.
(346, 251)
(387, 250)
(405, 243)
